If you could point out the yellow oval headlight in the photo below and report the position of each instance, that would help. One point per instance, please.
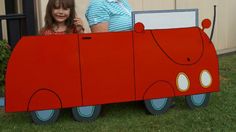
(182, 82)
(205, 79)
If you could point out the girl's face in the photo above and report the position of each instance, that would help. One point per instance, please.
(60, 14)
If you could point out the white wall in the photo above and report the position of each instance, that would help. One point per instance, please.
(231, 25)
(225, 30)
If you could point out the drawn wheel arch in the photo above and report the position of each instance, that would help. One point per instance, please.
(159, 89)
(158, 97)
(45, 106)
(44, 99)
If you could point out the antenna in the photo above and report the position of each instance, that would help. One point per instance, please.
(214, 22)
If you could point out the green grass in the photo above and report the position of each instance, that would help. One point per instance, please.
(220, 115)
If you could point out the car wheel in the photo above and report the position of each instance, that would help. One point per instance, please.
(87, 113)
(45, 116)
(158, 106)
(198, 100)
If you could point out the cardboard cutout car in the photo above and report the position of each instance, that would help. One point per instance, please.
(85, 71)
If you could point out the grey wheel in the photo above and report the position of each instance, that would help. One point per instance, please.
(158, 106)
(198, 100)
(45, 116)
(86, 113)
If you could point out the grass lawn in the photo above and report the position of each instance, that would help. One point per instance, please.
(220, 115)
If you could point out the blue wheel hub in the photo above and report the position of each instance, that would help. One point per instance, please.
(86, 111)
(158, 104)
(198, 99)
(45, 115)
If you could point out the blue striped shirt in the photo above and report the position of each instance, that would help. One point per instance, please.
(116, 12)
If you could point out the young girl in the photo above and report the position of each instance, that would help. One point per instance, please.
(60, 18)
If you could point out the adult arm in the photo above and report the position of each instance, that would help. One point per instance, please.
(100, 27)
(98, 16)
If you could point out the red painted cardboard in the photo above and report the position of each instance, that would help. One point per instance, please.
(64, 71)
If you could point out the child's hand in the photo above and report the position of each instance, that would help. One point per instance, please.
(79, 25)
(78, 22)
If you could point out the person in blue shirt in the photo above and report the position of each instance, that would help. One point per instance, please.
(109, 15)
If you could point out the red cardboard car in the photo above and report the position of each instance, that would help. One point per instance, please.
(85, 71)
